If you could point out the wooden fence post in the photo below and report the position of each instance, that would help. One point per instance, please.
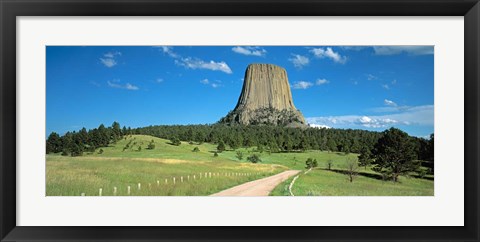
(128, 190)
(114, 191)
(100, 192)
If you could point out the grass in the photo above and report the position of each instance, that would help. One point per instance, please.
(72, 176)
(119, 168)
(321, 182)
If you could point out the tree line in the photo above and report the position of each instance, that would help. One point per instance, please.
(77, 142)
(283, 139)
(264, 137)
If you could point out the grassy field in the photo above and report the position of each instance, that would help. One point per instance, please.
(155, 170)
(322, 182)
(202, 173)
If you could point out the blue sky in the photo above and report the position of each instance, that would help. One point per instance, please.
(359, 87)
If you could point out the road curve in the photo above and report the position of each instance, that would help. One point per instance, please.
(260, 187)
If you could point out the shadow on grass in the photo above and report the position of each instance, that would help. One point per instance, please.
(372, 175)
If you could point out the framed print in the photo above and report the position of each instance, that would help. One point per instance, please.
(224, 120)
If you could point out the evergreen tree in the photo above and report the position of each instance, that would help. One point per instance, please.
(239, 155)
(54, 143)
(365, 157)
(221, 147)
(395, 154)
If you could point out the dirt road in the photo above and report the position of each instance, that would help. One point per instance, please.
(260, 187)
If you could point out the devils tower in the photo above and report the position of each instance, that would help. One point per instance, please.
(265, 99)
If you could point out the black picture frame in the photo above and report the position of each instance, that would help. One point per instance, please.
(10, 9)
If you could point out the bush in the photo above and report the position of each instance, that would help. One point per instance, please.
(151, 145)
(100, 151)
(196, 149)
(254, 158)
(175, 141)
(215, 154)
(65, 152)
(311, 163)
(221, 147)
(239, 155)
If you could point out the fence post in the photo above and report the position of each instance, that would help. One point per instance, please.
(181, 179)
(188, 178)
(83, 194)
(193, 177)
(114, 191)
(128, 190)
(158, 183)
(210, 174)
(166, 181)
(100, 192)
(174, 180)
(139, 186)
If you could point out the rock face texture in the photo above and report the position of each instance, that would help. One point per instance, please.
(265, 99)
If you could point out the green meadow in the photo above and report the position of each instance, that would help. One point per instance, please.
(151, 172)
(196, 173)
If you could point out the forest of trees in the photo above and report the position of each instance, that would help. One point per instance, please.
(75, 143)
(269, 138)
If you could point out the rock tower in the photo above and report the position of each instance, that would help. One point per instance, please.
(265, 99)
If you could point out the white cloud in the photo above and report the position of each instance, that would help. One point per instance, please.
(371, 77)
(386, 86)
(117, 84)
(299, 60)
(411, 116)
(353, 48)
(321, 82)
(213, 84)
(411, 50)
(112, 54)
(319, 126)
(247, 50)
(394, 82)
(389, 103)
(169, 51)
(194, 63)
(109, 59)
(159, 80)
(302, 85)
(329, 53)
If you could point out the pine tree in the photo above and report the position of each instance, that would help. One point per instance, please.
(395, 154)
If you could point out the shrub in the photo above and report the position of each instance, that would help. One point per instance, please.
(175, 141)
(254, 158)
(311, 163)
(151, 145)
(196, 149)
(239, 155)
(215, 154)
(221, 146)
